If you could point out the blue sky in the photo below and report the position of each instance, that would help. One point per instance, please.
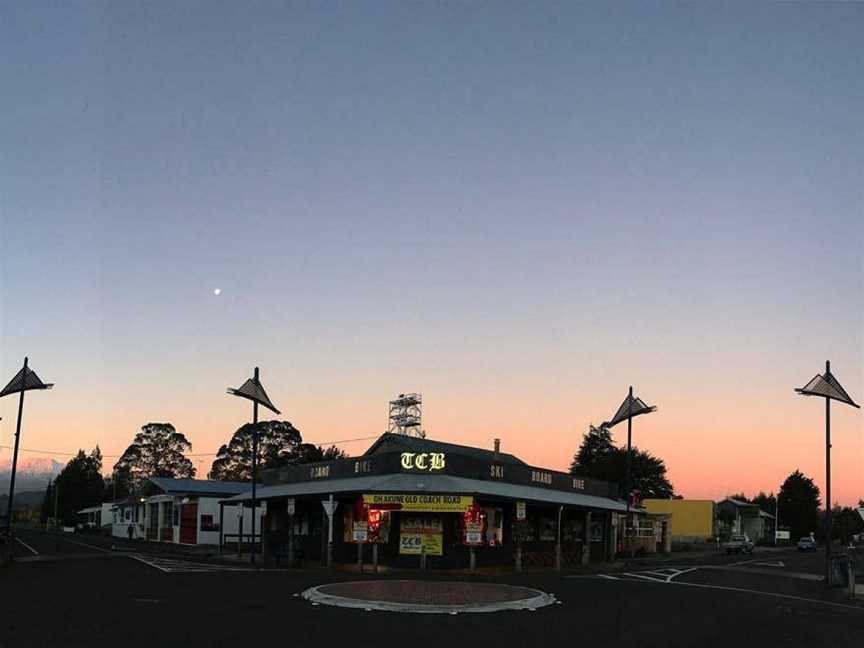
(517, 208)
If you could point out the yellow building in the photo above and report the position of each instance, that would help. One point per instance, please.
(691, 520)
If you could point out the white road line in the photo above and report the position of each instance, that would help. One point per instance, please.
(35, 553)
(750, 591)
(146, 562)
(89, 546)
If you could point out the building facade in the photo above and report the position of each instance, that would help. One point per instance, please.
(182, 511)
(410, 497)
(689, 520)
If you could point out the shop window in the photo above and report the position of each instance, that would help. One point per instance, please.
(547, 530)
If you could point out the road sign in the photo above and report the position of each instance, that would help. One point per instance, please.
(290, 506)
(329, 507)
(520, 510)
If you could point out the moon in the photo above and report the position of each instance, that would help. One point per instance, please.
(217, 291)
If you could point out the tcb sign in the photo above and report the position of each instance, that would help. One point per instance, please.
(423, 461)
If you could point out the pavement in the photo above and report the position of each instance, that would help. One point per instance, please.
(71, 591)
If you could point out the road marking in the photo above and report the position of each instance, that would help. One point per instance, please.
(35, 553)
(89, 546)
(171, 565)
(763, 593)
(778, 563)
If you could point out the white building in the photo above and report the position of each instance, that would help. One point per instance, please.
(182, 511)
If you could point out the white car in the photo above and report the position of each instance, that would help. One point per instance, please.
(738, 544)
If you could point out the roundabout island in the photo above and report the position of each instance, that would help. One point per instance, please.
(435, 597)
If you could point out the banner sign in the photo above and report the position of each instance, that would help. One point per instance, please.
(421, 533)
(520, 510)
(419, 503)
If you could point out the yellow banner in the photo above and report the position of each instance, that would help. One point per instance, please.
(410, 543)
(420, 502)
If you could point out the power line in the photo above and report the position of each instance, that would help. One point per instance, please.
(194, 454)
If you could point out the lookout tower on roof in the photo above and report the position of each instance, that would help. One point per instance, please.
(405, 415)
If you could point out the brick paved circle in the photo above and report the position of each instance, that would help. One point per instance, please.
(425, 596)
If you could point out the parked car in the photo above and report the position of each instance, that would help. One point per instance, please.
(806, 544)
(738, 544)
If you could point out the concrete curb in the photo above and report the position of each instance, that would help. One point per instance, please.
(318, 597)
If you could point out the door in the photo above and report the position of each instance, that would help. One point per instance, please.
(189, 523)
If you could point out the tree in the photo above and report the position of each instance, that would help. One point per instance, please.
(157, 451)
(767, 503)
(596, 444)
(847, 523)
(599, 458)
(310, 453)
(119, 484)
(799, 502)
(78, 485)
(741, 497)
(279, 444)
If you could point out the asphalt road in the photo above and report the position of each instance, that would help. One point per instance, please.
(72, 594)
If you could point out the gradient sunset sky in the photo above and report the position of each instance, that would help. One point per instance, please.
(517, 209)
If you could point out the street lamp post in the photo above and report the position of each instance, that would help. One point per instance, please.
(631, 407)
(254, 391)
(24, 380)
(826, 386)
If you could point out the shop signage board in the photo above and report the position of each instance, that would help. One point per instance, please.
(782, 535)
(419, 503)
(520, 510)
(473, 533)
(419, 533)
(361, 532)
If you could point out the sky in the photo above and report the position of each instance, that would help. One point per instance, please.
(515, 209)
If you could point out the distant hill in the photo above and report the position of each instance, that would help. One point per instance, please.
(23, 500)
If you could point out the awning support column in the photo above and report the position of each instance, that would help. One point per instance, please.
(586, 541)
(221, 526)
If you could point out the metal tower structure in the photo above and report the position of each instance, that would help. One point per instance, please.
(405, 415)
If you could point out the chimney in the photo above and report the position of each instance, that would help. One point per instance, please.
(497, 448)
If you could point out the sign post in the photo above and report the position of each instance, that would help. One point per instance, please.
(520, 518)
(291, 509)
(329, 508)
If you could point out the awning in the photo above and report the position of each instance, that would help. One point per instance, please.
(413, 483)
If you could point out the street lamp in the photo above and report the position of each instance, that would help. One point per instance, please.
(24, 380)
(254, 391)
(826, 386)
(631, 407)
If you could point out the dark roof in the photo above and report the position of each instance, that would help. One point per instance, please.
(389, 442)
(211, 487)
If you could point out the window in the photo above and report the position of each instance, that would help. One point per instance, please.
(127, 514)
(207, 523)
(176, 515)
(168, 514)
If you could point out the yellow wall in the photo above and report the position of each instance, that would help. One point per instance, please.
(690, 518)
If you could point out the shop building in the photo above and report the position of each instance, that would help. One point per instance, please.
(182, 511)
(690, 521)
(410, 497)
